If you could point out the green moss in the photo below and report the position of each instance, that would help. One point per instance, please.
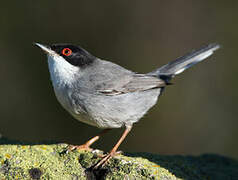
(38, 161)
(54, 162)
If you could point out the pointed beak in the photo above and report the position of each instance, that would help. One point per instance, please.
(46, 49)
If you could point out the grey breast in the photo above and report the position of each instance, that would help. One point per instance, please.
(109, 96)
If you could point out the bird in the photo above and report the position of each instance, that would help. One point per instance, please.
(103, 94)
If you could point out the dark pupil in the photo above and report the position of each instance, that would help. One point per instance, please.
(66, 51)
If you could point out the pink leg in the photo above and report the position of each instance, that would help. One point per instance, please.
(86, 146)
(114, 149)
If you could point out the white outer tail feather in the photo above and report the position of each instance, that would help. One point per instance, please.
(179, 65)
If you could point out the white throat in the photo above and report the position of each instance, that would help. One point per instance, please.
(62, 73)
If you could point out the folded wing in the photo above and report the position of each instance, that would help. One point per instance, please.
(137, 82)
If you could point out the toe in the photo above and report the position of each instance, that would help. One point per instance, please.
(81, 147)
(106, 158)
(103, 161)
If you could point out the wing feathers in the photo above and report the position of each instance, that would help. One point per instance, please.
(138, 82)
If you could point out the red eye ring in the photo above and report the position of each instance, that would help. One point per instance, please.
(66, 51)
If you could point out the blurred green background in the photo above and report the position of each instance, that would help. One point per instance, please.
(198, 114)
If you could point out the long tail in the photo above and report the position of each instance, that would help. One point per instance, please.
(179, 65)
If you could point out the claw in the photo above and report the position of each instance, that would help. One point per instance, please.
(113, 152)
(106, 158)
(103, 161)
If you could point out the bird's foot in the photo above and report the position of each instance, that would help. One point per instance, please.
(106, 158)
(80, 147)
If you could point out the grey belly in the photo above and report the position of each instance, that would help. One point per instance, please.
(113, 111)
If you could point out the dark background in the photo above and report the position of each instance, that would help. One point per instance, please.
(198, 114)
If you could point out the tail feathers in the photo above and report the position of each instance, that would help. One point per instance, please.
(179, 65)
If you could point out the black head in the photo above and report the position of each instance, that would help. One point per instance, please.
(75, 55)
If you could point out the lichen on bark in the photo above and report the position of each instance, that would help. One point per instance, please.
(53, 161)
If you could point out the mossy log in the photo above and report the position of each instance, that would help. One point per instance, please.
(53, 161)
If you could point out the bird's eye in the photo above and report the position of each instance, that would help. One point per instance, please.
(66, 51)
